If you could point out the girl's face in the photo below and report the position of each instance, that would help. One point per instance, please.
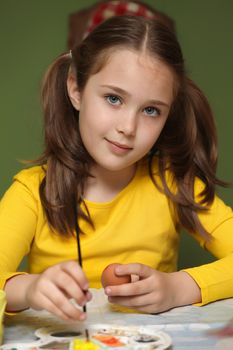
(123, 108)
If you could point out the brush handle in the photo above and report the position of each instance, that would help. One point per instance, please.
(77, 231)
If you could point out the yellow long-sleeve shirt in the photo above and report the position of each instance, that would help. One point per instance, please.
(136, 226)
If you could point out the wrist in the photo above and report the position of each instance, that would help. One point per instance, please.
(16, 292)
(187, 291)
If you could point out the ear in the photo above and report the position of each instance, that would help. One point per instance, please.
(73, 92)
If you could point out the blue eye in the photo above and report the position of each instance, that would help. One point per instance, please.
(152, 111)
(113, 100)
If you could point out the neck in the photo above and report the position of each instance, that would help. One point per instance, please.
(106, 184)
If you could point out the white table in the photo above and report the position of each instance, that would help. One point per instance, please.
(188, 326)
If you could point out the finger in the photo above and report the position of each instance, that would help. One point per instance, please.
(140, 287)
(74, 270)
(52, 308)
(134, 278)
(62, 303)
(135, 301)
(88, 295)
(137, 269)
(144, 305)
(71, 288)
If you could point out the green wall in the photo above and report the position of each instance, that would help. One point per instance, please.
(32, 33)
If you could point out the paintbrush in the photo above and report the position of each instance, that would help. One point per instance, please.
(80, 260)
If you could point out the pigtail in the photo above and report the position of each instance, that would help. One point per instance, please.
(189, 153)
(64, 153)
(205, 152)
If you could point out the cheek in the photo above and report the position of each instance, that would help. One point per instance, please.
(93, 127)
(87, 119)
(85, 128)
(150, 134)
(94, 120)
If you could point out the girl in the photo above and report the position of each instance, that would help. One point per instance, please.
(130, 150)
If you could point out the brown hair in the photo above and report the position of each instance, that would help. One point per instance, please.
(186, 146)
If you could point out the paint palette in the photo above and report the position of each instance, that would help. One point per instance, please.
(128, 337)
(102, 337)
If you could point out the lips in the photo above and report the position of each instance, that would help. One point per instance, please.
(120, 145)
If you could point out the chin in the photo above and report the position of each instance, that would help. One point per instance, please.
(116, 167)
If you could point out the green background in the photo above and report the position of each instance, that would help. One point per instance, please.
(33, 33)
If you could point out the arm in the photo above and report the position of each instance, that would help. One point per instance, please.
(18, 219)
(216, 279)
(158, 291)
(50, 290)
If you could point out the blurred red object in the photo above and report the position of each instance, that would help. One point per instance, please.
(226, 331)
(84, 21)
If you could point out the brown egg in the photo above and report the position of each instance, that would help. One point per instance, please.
(109, 278)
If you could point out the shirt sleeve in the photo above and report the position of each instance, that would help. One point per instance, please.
(18, 218)
(216, 279)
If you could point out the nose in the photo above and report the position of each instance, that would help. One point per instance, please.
(127, 124)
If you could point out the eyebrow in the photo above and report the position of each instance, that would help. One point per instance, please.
(125, 93)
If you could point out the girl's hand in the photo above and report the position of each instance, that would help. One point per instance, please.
(56, 290)
(55, 287)
(153, 291)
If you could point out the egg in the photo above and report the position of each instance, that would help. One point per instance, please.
(109, 277)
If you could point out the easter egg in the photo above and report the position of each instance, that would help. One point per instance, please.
(109, 277)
